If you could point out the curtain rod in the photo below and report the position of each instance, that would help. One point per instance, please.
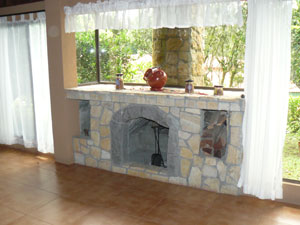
(16, 14)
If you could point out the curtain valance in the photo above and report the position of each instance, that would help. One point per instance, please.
(142, 14)
(23, 18)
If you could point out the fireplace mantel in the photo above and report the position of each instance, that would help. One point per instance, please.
(190, 166)
(172, 97)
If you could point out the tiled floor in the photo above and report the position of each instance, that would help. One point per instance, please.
(36, 191)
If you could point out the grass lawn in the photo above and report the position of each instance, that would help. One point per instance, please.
(291, 157)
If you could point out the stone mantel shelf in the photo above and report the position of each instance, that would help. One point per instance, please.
(142, 95)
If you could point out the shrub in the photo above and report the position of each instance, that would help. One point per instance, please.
(294, 115)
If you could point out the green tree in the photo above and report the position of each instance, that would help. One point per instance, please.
(117, 48)
(86, 57)
(118, 51)
(294, 115)
(226, 45)
(295, 60)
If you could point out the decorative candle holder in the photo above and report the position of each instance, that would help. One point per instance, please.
(218, 90)
(189, 87)
(119, 81)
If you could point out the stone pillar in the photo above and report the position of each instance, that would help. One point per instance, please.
(179, 52)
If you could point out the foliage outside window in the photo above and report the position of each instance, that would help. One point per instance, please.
(86, 57)
(120, 51)
(295, 60)
(130, 52)
(224, 54)
(291, 152)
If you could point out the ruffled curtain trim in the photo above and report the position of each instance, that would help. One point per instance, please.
(40, 16)
(142, 14)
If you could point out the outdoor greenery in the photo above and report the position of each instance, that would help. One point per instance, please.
(226, 45)
(86, 57)
(294, 115)
(129, 52)
(291, 152)
(291, 157)
(295, 61)
(120, 51)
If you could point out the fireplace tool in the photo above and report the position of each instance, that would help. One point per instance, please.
(156, 158)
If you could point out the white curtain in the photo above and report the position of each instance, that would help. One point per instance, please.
(267, 71)
(25, 111)
(141, 14)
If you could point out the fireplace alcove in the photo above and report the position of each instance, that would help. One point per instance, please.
(130, 125)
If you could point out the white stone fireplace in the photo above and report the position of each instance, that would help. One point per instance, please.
(113, 145)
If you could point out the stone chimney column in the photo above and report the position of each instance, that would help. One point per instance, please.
(179, 52)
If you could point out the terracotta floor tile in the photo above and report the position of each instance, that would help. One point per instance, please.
(103, 216)
(34, 176)
(52, 193)
(99, 195)
(10, 170)
(57, 167)
(268, 221)
(133, 202)
(218, 216)
(146, 222)
(64, 188)
(61, 211)
(28, 220)
(8, 216)
(176, 213)
(27, 199)
(8, 187)
(284, 214)
(191, 195)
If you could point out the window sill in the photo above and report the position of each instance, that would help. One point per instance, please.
(88, 92)
(291, 192)
(240, 90)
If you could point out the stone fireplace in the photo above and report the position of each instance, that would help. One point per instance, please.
(200, 137)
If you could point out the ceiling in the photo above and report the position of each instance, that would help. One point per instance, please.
(5, 3)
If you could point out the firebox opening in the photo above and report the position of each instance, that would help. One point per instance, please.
(214, 134)
(148, 143)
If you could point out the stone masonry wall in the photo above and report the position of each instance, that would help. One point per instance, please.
(195, 169)
(179, 52)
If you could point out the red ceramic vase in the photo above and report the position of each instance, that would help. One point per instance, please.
(156, 78)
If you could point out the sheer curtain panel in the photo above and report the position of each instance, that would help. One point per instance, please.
(141, 14)
(267, 73)
(25, 112)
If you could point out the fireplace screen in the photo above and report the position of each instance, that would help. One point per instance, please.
(148, 142)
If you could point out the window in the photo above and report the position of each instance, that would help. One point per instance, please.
(119, 51)
(86, 57)
(209, 56)
(291, 151)
(214, 55)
